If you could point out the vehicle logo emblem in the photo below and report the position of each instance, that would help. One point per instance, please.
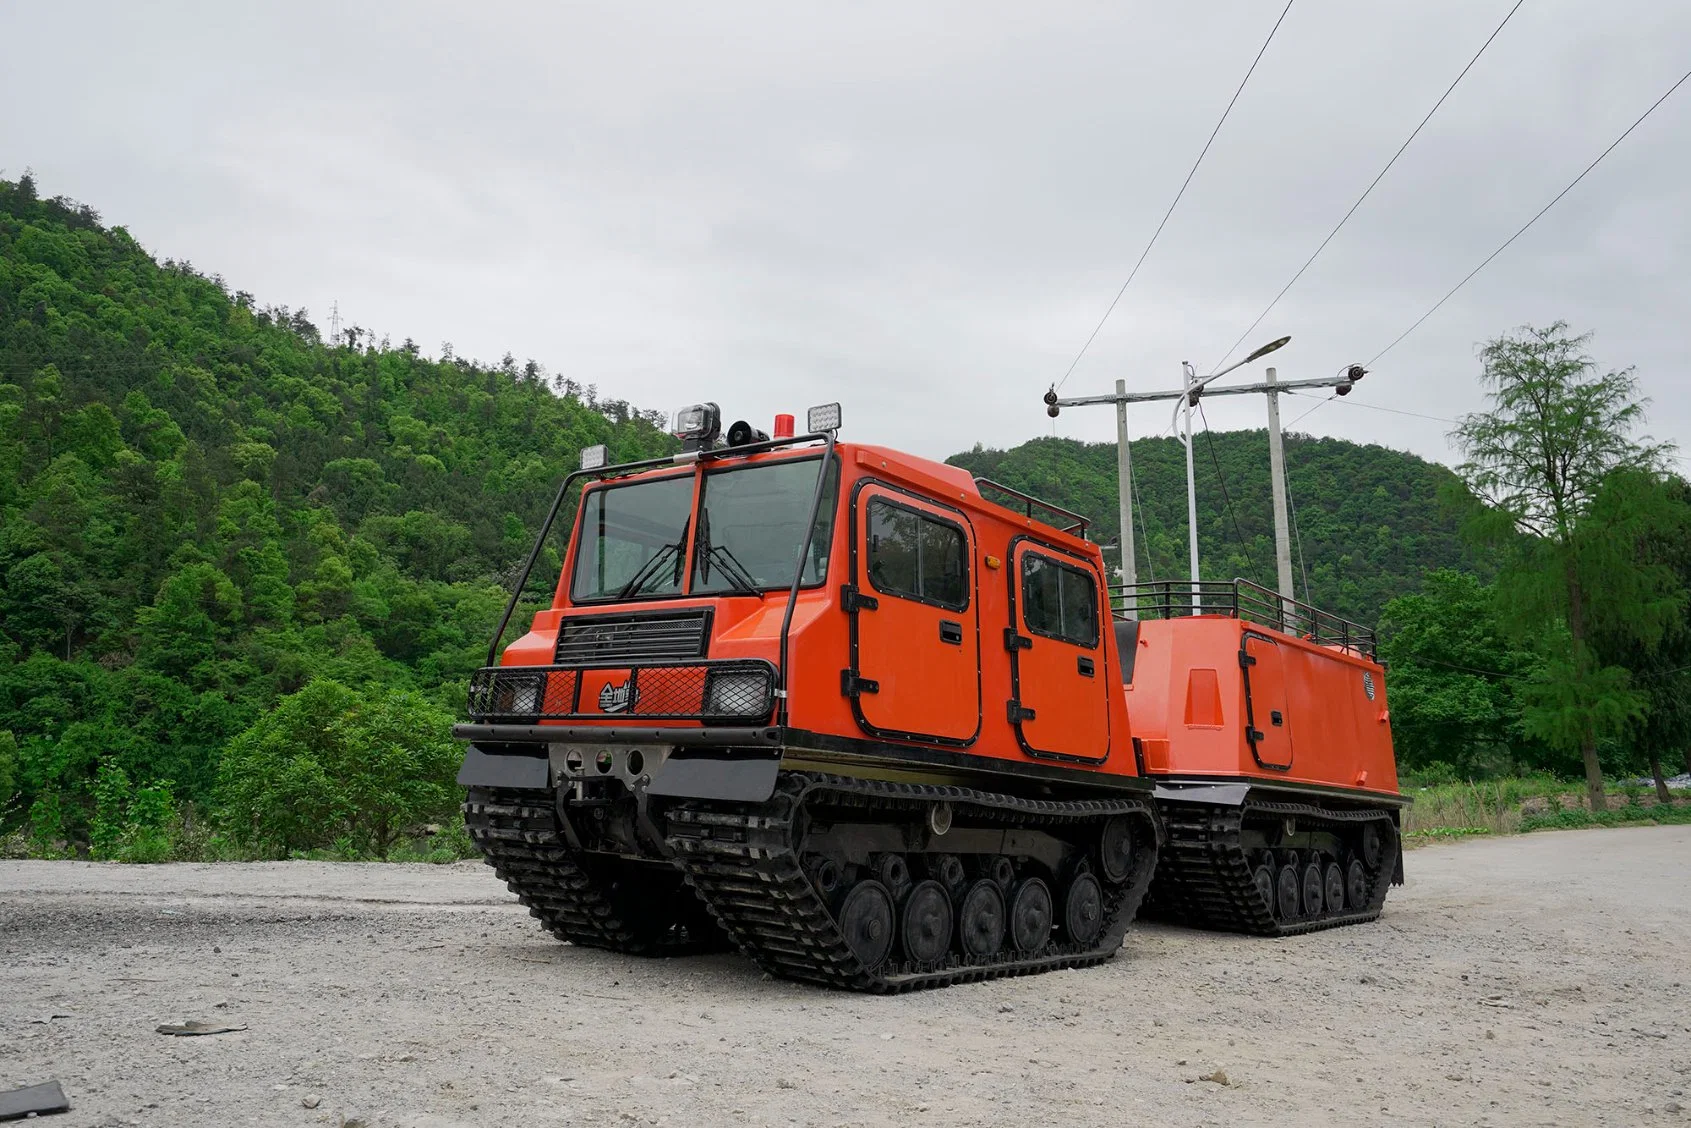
(618, 698)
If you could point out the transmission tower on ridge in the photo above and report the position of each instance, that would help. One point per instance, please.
(334, 323)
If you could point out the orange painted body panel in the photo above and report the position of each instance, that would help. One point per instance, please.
(1194, 706)
(945, 675)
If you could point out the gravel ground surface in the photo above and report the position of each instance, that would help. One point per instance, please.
(1530, 980)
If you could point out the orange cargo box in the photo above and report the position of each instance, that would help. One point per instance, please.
(1216, 696)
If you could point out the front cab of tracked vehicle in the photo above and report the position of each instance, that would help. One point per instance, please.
(802, 603)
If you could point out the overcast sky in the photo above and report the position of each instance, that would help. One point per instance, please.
(918, 209)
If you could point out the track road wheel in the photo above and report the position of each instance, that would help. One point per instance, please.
(947, 869)
(1286, 893)
(981, 920)
(1083, 909)
(1115, 850)
(890, 870)
(926, 930)
(1373, 846)
(1356, 883)
(1313, 897)
(1333, 887)
(1030, 916)
(866, 919)
(1264, 878)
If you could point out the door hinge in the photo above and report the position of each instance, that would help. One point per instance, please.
(1017, 713)
(853, 601)
(1014, 641)
(1254, 735)
(1246, 661)
(853, 686)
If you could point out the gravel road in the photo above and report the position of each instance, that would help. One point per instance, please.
(1529, 980)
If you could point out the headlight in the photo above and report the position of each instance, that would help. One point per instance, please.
(518, 694)
(737, 693)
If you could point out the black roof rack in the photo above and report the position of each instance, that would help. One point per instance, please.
(1077, 523)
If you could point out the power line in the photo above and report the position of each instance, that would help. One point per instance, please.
(1310, 412)
(1372, 407)
(1297, 536)
(1523, 230)
(1183, 185)
(1209, 440)
(1371, 185)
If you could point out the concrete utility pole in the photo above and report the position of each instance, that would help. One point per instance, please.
(1187, 399)
(1277, 475)
(1193, 390)
(1124, 477)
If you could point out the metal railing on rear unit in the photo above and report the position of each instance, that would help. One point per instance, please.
(1241, 599)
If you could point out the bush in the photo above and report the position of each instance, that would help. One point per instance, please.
(334, 769)
(131, 824)
(8, 772)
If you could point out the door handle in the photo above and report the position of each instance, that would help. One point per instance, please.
(1086, 666)
(951, 631)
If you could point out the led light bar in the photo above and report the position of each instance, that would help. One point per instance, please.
(822, 417)
(593, 457)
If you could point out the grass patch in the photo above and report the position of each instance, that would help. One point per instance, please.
(1448, 811)
(1451, 810)
(1444, 833)
(1631, 814)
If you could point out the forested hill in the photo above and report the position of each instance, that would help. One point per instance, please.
(203, 505)
(1369, 518)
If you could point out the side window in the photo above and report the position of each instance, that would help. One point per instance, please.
(1059, 601)
(916, 556)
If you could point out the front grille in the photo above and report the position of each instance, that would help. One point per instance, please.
(615, 639)
(740, 691)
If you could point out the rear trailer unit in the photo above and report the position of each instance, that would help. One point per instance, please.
(1264, 723)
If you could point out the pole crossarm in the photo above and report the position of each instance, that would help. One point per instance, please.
(1231, 390)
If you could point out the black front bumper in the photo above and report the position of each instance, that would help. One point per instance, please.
(715, 736)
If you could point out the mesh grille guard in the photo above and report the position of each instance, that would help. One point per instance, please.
(735, 692)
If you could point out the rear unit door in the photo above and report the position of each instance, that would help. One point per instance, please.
(1268, 725)
(915, 670)
(1060, 691)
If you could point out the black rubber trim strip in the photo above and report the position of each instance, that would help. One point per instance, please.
(615, 734)
(798, 741)
(1294, 787)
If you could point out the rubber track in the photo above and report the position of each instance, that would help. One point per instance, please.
(744, 862)
(517, 833)
(1204, 876)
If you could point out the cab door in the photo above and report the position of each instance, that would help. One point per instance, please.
(1268, 724)
(915, 671)
(1060, 690)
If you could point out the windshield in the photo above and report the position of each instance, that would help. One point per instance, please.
(751, 522)
(633, 540)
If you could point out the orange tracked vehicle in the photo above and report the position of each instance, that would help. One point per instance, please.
(835, 705)
(1264, 723)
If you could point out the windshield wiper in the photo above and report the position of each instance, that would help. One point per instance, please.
(653, 566)
(742, 581)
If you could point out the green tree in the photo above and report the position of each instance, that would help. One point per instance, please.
(1566, 492)
(329, 765)
(1662, 673)
(1452, 671)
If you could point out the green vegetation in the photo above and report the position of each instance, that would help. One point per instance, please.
(206, 508)
(246, 572)
(1368, 519)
